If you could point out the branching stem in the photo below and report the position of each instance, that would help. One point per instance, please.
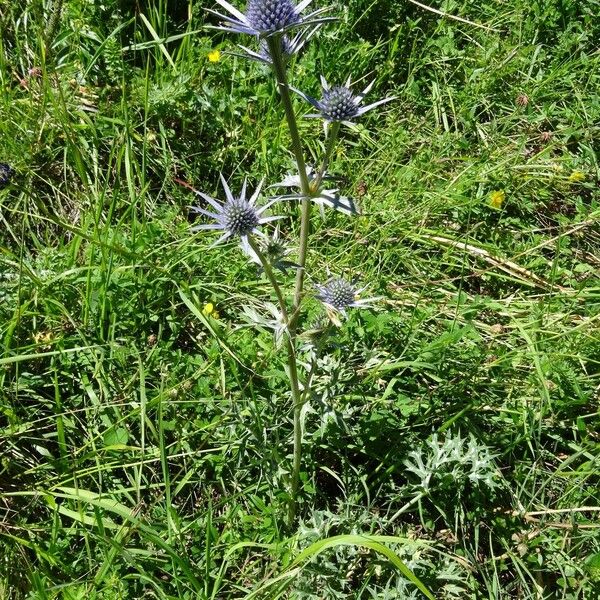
(297, 460)
(278, 64)
(266, 265)
(307, 190)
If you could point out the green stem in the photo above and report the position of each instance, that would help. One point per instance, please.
(302, 253)
(278, 64)
(410, 503)
(266, 265)
(297, 451)
(331, 139)
(294, 383)
(279, 69)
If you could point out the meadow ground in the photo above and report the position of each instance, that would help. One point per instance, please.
(452, 432)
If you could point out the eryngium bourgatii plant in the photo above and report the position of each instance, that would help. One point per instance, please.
(281, 29)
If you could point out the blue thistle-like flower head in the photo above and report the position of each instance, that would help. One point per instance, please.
(267, 16)
(288, 46)
(339, 104)
(339, 294)
(264, 18)
(238, 217)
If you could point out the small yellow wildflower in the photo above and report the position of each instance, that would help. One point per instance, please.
(577, 176)
(497, 198)
(209, 310)
(43, 337)
(214, 56)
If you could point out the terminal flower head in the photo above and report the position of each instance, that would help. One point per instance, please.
(264, 18)
(237, 217)
(339, 104)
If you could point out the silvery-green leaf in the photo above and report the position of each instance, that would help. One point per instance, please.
(334, 199)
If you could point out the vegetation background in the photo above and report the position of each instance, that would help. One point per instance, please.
(144, 437)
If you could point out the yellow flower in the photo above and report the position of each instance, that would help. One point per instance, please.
(577, 176)
(209, 310)
(43, 337)
(214, 56)
(497, 198)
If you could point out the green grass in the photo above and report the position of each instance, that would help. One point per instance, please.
(145, 447)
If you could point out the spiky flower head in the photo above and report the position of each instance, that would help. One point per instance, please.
(275, 252)
(271, 15)
(240, 217)
(265, 18)
(317, 332)
(339, 104)
(237, 217)
(339, 294)
(285, 44)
